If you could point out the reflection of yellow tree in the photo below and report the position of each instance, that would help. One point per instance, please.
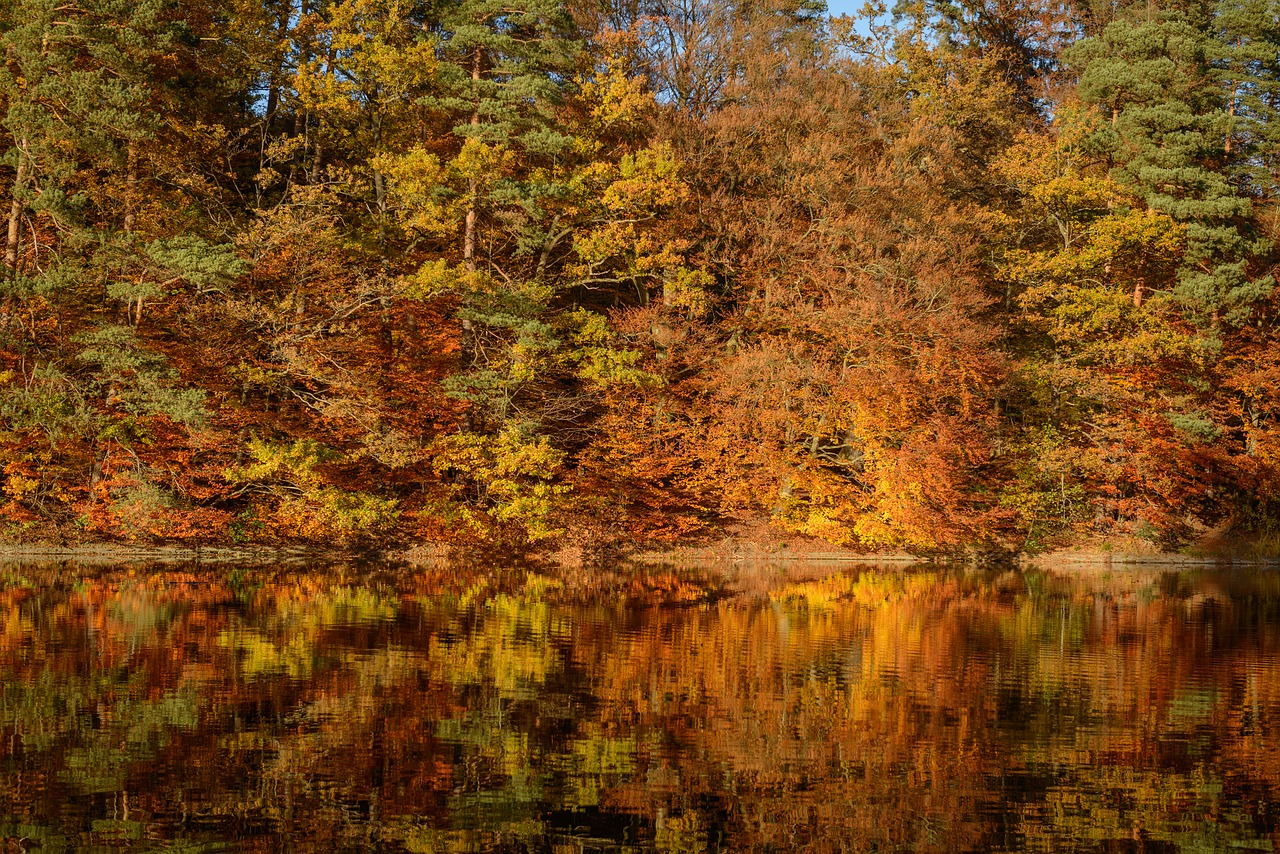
(453, 711)
(511, 645)
(290, 641)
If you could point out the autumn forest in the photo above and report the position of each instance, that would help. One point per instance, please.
(956, 274)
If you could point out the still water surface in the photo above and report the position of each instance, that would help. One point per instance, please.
(282, 709)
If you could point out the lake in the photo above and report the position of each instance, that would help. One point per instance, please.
(297, 708)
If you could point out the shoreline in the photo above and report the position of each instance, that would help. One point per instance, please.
(727, 553)
(117, 552)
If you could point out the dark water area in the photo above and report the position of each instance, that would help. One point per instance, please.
(360, 709)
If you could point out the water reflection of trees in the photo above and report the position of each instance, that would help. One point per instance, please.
(926, 710)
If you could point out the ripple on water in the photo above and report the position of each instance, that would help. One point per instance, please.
(910, 710)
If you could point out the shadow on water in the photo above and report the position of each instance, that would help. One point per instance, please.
(485, 709)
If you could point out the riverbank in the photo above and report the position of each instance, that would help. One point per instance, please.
(723, 553)
(98, 553)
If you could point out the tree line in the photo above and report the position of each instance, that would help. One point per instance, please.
(972, 274)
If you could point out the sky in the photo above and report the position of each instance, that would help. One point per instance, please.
(843, 7)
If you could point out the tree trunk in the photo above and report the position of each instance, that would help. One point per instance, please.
(379, 180)
(473, 184)
(466, 343)
(469, 230)
(15, 211)
(131, 189)
(131, 216)
(95, 473)
(317, 162)
(298, 163)
(1231, 112)
(273, 86)
(273, 96)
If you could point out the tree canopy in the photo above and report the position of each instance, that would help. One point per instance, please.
(594, 272)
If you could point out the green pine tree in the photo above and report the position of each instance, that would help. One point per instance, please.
(1246, 65)
(502, 71)
(75, 85)
(1151, 71)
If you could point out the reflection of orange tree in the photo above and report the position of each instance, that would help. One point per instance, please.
(117, 674)
(890, 708)
(892, 696)
(96, 683)
(798, 711)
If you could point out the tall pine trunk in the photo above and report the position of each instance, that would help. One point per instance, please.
(473, 184)
(131, 189)
(131, 206)
(379, 179)
(467, 342)
(15, 210)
